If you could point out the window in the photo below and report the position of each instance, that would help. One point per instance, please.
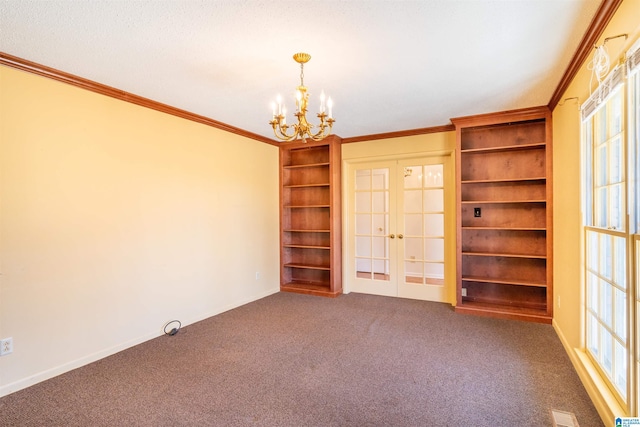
(611, 197)
(605, 239)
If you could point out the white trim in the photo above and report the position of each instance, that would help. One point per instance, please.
(603, 399)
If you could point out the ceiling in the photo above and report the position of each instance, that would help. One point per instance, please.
(388, 65)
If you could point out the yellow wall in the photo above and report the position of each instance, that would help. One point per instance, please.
(568, 257)
(115, 219)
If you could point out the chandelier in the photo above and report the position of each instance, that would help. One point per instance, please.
(303, 129)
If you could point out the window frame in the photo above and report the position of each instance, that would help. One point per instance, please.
(600, 129)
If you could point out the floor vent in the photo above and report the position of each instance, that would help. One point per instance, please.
(564, 419)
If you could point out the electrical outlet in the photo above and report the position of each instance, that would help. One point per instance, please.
(257, 275)
(464, 292)
(6, 346)
(477, 212)
(558, 301)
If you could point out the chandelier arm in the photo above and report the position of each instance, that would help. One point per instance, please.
(322, 128)
(319, 136)
(280, 130)
(283, 136)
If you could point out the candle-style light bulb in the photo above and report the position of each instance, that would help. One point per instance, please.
(330, 105)
(284, 115)
(279, 101)
(273, 109)
(298, 99)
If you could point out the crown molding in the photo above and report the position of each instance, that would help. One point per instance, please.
(518, 115)
(399, 134)
(599, 22)
(60, 76)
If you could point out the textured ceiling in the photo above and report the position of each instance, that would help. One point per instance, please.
(388, 65)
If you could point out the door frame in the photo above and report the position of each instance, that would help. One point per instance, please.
(448, 157)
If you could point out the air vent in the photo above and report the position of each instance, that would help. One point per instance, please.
(564, 419)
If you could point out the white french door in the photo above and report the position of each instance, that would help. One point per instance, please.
(396, 233)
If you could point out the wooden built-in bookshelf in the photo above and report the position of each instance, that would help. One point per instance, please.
(310, 229)
(504, 222)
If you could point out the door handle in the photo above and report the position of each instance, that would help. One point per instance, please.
(400, 236)
(393, 236)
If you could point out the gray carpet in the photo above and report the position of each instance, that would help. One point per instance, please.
(298, 360)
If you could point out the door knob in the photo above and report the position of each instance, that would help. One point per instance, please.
(400, 236)
(393, 236)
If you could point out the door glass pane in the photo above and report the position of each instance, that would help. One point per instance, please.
(380, 202)
(433, 175)
(413, 248)
(413, 272)
(363, 268)
(363, 224)
(413, 177)
(363, 246)
(434, 200)
(434, 273)
(380, 247)
(380, 179)
(381, 269)
(363, 202)
(413, 224)
(413, 201)
(434, 225)
(380, 224)
(363, 179)
(434, 249)
(372, 223)
(424, 224)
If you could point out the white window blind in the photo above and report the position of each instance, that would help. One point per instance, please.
(633, 58)
(602, 92)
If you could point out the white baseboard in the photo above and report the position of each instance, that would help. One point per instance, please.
(69, 366)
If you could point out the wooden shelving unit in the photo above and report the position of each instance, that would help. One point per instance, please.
(504, 221)
(310, 229)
